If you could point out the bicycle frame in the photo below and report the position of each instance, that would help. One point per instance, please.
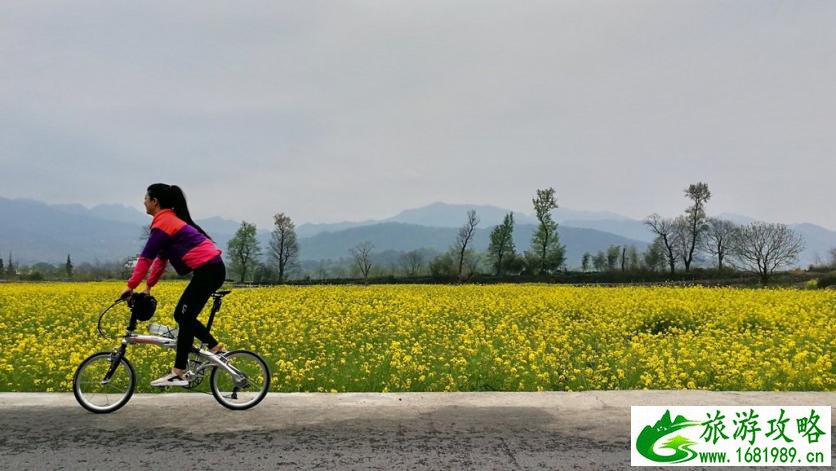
(131, 338)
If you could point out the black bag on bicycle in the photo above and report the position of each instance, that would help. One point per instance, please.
(142, 306)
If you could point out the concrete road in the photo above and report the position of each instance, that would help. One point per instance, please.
(551, 430)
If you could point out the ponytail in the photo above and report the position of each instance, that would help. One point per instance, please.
(171, 196)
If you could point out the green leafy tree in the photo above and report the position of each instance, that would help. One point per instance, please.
(633, 262)
(613, 253)
(586, 260)
(443, 266)
(243, 250)
(11, 272)
(546, 252)
(655, 257)
(599, 261)
(513, 264)
(501, 248)
(68, 267)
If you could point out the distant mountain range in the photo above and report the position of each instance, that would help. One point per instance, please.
(440, 214)
(38, 232)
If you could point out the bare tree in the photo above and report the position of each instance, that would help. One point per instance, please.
(695, 220)
(681, 238)
(412, 262)
(464, 237)
(322, 270)
(718, 238)
(664, 229)
(762, 247)
(362, 257)
(833, 257)
(283, 246)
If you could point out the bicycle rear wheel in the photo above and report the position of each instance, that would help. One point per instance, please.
(239, 393)
(98, 396)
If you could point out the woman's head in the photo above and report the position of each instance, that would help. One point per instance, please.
(162, 196)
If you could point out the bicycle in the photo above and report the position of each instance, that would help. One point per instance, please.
(105, 381)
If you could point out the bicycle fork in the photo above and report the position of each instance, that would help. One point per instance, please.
(115, 358)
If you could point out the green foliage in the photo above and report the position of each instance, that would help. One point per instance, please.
(243, 250)
(654, 258)
(501, 249)
(586, 261)
(613, 252)
(68, 267)
(546, 254)
(443, 266)
(826, 280)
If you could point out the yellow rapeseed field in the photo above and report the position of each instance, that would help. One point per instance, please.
(453, 338)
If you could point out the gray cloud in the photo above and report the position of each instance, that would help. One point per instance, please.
(352, 110)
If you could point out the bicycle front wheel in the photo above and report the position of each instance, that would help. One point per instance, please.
(239, 392)
(98, 395)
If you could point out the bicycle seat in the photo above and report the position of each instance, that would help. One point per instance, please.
(221, 294)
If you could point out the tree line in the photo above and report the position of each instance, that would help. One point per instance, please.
(756, 247)
(680, 243)
(545, 256)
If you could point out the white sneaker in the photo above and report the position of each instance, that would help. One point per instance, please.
(170, 379)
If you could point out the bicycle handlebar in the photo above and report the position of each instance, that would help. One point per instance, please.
(101, 316)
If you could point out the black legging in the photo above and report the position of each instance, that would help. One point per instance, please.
(205, 280)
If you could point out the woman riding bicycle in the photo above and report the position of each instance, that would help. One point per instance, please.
(175, 238)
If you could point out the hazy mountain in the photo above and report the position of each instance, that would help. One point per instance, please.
(35, 231)
(311, 229)
(630, 228)
(441, 214)
(454, 215)
(735, 218)
(218, 226)
(403, 237)
(108, 212)
(818, 242)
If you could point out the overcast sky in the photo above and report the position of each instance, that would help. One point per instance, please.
(343, 110)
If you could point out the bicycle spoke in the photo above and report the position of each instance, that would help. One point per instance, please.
(100, 396)
(251, 367)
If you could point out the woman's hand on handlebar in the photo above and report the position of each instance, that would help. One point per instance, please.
(125, 293)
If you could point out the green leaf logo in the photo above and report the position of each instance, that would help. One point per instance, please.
(681, 446)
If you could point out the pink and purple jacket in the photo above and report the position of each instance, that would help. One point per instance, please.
(172, 240)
